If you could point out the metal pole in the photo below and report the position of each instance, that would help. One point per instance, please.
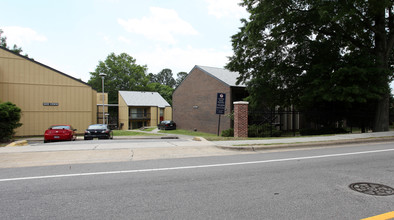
(219, 125)
(102, 82)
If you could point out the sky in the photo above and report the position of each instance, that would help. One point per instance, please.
(72, 36)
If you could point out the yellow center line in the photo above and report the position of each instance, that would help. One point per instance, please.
(385, 216)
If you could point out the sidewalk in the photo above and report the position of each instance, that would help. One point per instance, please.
(80, 152)
(166, 140)
(305, 141)
(139, 148)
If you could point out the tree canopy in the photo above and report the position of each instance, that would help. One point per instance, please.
(180, 77)
(164, 83)
(122, 73)
(164, 77)
(15, 48)
(333, 57)
(163, 90)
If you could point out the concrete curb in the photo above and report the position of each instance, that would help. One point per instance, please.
(261, 147)
(17, 143)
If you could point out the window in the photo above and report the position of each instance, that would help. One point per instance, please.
(136, 113)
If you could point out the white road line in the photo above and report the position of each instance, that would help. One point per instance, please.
(192, 167)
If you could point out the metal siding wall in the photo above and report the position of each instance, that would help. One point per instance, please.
(94, 108)
(123, 113)
(168, 113)
(154, 116)
(29, 85)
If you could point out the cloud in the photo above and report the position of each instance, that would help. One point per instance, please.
(182, 59)
(223, 8)
(124, 40)
(22, 36)
(161, 25)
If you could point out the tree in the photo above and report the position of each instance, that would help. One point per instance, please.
(164, 77)
(164, 83)
(163, 90)
(180, 77)
(15, 49)
(10, 115)
(329, 56)
(122, 73)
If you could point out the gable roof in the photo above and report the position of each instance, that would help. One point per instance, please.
(48, 67)
(226, 76)
(135, 98)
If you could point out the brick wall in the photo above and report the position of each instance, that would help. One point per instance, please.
(194, 103)
(241, 119)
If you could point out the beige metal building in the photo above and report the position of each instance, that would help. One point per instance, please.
(45, 95)
(141, 109)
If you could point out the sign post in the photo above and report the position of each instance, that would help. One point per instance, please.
(220, 106)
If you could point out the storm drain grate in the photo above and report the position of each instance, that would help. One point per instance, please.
(372, 189)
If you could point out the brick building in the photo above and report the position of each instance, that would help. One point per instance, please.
(194, 100)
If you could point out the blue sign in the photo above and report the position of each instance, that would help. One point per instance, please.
(221, 103)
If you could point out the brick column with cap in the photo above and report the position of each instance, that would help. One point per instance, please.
(241, 119)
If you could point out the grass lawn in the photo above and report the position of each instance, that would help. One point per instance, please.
(214, 137)
(3, 144)
(149, 129)
(131, 133)
(186, 132)
(207, 136)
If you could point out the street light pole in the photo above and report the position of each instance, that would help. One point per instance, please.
(102, 82)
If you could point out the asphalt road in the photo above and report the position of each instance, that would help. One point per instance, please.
(297, 184)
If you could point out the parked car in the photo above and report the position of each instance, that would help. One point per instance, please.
(166, 125)
(100, 131)
(60, 133)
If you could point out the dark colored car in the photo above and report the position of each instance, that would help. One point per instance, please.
(167, 125)
(60, 133)
(100, 131)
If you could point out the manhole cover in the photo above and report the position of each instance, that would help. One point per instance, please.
(372, 189)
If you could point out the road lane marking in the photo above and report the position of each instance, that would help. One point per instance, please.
(192, 167)
(385, 216)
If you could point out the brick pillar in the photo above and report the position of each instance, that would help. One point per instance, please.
(241, 119)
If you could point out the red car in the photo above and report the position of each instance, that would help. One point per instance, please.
(60, 133)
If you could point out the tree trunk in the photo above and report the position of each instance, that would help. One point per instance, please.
(381, 120)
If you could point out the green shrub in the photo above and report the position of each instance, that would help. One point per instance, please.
(228, 133)
(10, 115)
(263, 131)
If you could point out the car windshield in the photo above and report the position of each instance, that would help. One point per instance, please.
(60, 127)
(97, 127)
(165, 122)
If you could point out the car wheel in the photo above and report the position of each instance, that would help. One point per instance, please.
(45, 141)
